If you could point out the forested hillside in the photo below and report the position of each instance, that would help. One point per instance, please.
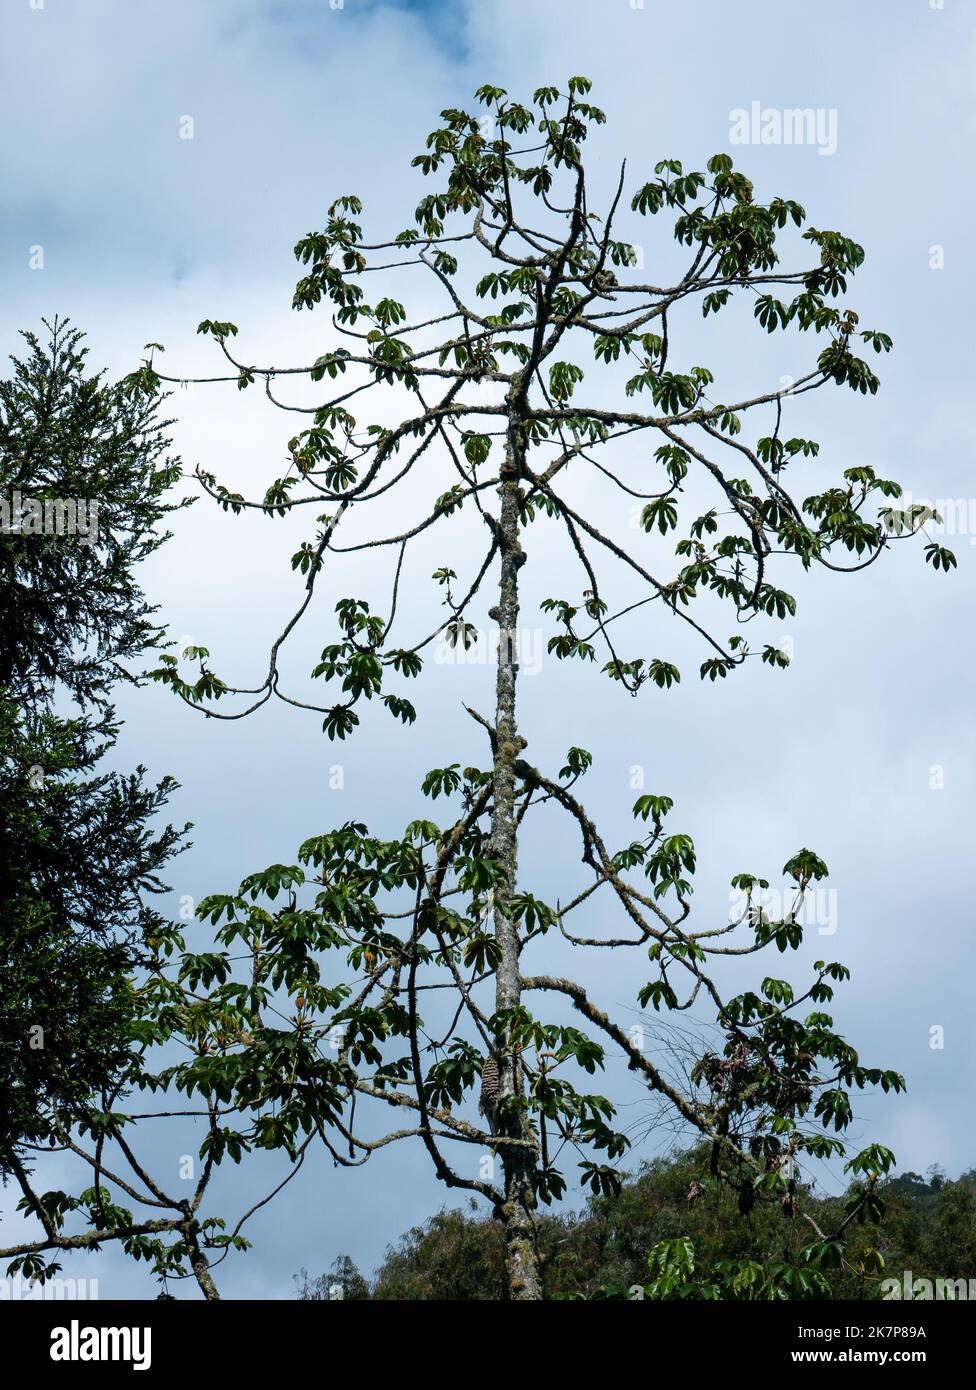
(929, 1229)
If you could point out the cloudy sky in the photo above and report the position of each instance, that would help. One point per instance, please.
(863, 750)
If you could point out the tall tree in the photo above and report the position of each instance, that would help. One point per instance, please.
(485, 395)
(83, 473)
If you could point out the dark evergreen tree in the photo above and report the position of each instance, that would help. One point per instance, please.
(83, 473)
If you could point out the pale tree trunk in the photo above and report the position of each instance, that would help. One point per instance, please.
(518, 1163)
(199, 1262)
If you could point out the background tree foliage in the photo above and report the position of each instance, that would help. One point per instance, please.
(604, 1250)
(79, 852)
(72, 615)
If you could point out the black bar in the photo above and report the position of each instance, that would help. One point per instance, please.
(247, 1337)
